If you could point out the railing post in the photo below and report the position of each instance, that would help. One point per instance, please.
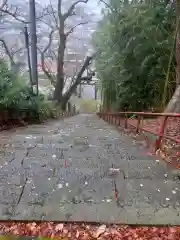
(126, 119)
(116, 119)
(161, 133)
(119, 120)
(113, 119)
(138, 124)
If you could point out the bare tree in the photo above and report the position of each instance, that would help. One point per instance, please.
(15, 17)
(61, 27)
(11, 52)
(17, 13)
(12, 46)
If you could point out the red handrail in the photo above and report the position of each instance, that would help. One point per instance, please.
(108, 116)
(142, 114)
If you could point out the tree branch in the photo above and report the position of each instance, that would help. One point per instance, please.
(47, 72)
(3, 4)
(53, 55)
(54, 16)
(73, 28)
(60, 8)
(49, 43)
(43, 14)
(18, 50)
(72, 8)
(13, 12)
(107, 5)
(7, 51)
(44, 66)
(50, 72)
(79, 77)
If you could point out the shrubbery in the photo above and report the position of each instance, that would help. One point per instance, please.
(16, 96)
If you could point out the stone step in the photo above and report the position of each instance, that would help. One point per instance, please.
(145, 214)
(158, 194)
(145, 169)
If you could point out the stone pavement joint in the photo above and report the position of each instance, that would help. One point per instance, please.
(83, 169)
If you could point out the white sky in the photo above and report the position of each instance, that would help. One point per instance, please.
(95, 5)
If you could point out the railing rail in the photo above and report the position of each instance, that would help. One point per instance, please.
(116, 118)
(142, 114)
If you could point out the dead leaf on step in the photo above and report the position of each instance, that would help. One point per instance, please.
(77, 234)
(162, 154)
(59, 227)
(100, 231)
(157, 152)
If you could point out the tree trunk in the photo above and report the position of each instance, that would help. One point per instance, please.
(61, 98)
(95, 92)
(78, 80)
(62, 103)
(174, 104)
(58, 93)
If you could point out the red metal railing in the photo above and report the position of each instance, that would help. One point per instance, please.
(119, 117)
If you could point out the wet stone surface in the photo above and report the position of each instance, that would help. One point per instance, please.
(83, 169)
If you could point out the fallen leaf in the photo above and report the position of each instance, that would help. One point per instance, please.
(47, 231)
(65, 231)
(77, 234)
(101, 229)
(59, 227)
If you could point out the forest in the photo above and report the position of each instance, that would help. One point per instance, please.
(137, 46)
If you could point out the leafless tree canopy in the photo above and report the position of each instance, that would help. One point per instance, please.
(13, 18)
(67, 46)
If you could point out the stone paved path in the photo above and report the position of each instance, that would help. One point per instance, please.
(62, 171)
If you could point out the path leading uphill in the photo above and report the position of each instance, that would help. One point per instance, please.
(83, 169)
